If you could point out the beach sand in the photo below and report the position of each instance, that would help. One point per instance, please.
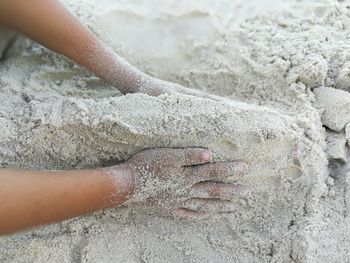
(282, 70)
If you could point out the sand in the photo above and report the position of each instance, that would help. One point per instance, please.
(282, 70)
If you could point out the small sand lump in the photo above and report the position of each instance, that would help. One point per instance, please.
(343, 78)
(336, 146)
(312, 72)
(336, 105)
(347, 133)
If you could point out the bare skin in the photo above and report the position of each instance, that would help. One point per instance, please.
(176, 182)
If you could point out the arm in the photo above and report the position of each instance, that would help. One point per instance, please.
(173, 182)
(31, 198)
(49, 23)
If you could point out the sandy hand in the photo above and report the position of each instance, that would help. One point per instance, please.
(181, 182)
(155, 87)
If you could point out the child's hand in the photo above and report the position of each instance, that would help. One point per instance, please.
(181, 182)
(155, 87)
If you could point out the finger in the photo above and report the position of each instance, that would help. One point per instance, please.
(216, 190)
(194, 156)
(185, 214)
(211, 205)
(218, 170)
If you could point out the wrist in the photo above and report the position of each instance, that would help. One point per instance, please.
(137, 80)
(120, 73)
(154, 87)
(121, 183)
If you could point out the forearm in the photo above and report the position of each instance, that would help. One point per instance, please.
(35, 198)
(49, 23)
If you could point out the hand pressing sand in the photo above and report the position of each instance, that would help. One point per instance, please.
(167, 179)
(180, 182)
(155, 87)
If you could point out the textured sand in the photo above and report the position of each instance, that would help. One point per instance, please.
(282, 69)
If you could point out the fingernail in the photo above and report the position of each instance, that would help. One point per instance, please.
(206, 156)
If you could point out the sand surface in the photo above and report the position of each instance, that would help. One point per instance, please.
(282, 68)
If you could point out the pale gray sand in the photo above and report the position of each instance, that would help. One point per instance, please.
(279, 64)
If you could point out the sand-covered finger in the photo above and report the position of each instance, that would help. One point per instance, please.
(220, 170)
(194, 156)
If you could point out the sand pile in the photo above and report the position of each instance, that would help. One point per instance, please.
(282, 69)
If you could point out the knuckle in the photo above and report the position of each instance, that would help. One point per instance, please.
(188, 156)
(226, 167)
(194, 155)
(220, 169)
(205, 171)
(210, 170)
(214, 190)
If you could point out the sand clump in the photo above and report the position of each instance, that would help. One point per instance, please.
(282, 76)
(336, 107)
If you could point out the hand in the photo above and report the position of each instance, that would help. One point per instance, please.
(181, 182)
(155, 87)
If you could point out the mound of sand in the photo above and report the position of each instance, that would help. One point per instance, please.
(283, 73)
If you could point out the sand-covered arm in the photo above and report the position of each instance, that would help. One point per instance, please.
(52, 25)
